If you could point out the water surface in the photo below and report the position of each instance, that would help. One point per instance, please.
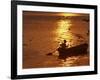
(44, 33)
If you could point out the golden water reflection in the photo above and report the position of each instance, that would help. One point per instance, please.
(75, 61)
(63, 31)
(44, 31)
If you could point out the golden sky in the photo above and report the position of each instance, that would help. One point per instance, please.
(34, 13)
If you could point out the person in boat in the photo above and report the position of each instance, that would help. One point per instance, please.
(63, 46)
(62, 49)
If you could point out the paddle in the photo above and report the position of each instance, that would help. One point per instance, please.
(51, 53)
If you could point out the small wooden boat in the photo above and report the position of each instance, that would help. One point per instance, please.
(73, 51)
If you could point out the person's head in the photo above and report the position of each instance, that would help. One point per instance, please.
(65, 41)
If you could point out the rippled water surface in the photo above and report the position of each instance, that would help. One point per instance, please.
(42, 34)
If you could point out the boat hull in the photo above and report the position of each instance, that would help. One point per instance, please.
(73, 51)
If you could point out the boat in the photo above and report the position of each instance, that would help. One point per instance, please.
(73, 51)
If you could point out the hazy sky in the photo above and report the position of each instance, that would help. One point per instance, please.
(34, 13)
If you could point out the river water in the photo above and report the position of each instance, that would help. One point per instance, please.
(42, 34)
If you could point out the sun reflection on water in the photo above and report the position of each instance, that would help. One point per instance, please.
(63, 31)
(75, 61)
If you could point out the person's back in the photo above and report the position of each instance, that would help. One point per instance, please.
(62, 50)
(62, 47)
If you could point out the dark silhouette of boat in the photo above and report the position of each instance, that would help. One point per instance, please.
(73, 51)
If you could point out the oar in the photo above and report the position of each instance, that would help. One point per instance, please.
(51, 53)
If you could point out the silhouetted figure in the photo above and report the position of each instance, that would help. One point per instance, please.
(63, 45)
(62, 49)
